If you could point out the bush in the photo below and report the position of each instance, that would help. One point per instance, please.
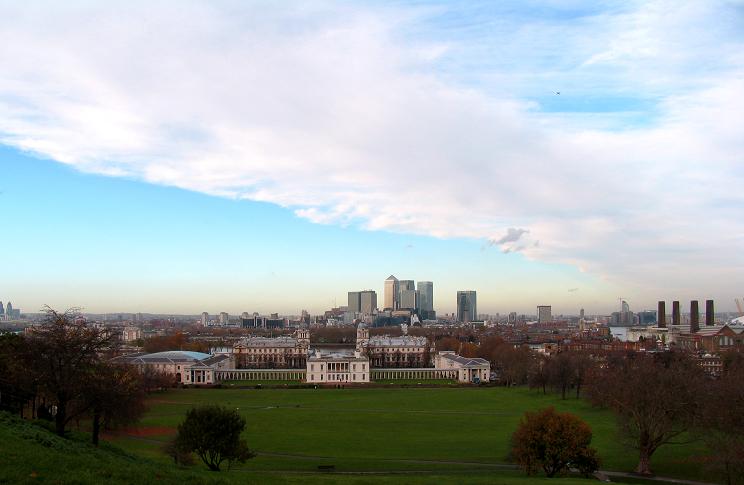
(213, 433)
(554, 442)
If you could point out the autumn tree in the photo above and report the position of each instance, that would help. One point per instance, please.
(554, 442)
(60, 356)
(213, 433)
(655, 397)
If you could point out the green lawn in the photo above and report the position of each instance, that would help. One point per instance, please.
(421, 432)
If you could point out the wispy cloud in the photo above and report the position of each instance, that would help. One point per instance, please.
(380, 117)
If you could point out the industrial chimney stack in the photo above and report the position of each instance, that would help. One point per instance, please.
(661, 315)
(675, 313)
(710, 314)
(694, 316)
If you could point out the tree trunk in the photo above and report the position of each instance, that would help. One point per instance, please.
(60, 419)
(644, 465)
(96, 427)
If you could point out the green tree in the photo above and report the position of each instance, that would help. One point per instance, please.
(554, 442)
(213, 433)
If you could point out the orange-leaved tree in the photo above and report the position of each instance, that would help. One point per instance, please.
(554, 442)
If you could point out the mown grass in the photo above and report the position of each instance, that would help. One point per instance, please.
(412, 429)
(31, 454)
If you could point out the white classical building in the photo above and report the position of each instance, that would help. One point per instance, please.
(468, 369)
(186, 367)
(286, 352)
(337, 368)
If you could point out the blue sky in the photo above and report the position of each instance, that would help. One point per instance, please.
(176, 157)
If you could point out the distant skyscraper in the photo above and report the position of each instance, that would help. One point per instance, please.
(2, 309)
(467, 306)
(204, 319)
(624, 307)
(354, 304)
(368, 302)
(224, 318)
(544, 313)
(426, 296)
(581, 313)
(409, 299)
(9, 310)
(392, 293)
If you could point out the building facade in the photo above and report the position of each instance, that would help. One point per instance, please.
(467, 306)
(337, 368)
(289, 352)
(475, 370)
(544, 314)
(391, 293)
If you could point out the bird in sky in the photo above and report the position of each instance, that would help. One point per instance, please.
(557, 92)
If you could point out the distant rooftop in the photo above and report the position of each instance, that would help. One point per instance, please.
(403, 341)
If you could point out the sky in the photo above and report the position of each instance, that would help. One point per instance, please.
(181, 157)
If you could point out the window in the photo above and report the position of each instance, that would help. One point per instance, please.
(312, 377)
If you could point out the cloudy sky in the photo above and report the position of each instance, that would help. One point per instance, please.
(271, 156)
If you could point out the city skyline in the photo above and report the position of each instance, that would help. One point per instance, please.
(273, 157)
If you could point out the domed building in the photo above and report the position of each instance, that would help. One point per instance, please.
(188, 367)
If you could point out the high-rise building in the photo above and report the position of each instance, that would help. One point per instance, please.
(409, 299)
(9, 310)
(354, 304)
(392, 293)
(544, 313)
(224, 318)
(426, 295)
(368, 302)
(204, 319)
(624, 307)
(467, 306)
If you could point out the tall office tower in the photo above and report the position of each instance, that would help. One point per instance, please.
(409, 299)
(467, 306)
(544, 313)
(392, 293)
(224, 318)
(404, 285)
(368, 302)
(694, 316)
(9, 310)
(355, 302)
(204, 319)
(426, 296)
(581, 313)
(710, 314)
(624, 307)
(661, 315)
(2, 309)
(675, 313)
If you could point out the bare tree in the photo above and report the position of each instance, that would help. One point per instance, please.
(115, 395)
(61, 356)
(655, 398)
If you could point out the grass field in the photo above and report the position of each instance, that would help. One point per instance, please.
(416, 433)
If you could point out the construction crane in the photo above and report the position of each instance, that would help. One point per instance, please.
(739, 307)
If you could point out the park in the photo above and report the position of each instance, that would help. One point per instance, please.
(388, 434)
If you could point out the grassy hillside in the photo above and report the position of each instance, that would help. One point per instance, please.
(31, 454)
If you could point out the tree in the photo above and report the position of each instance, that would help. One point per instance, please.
(561, 372)
(115, 396)
(61, 356)
(655, 397)
(213, 433)
(554, 442)
(722, 425)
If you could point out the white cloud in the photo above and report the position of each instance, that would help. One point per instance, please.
(334, 112)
